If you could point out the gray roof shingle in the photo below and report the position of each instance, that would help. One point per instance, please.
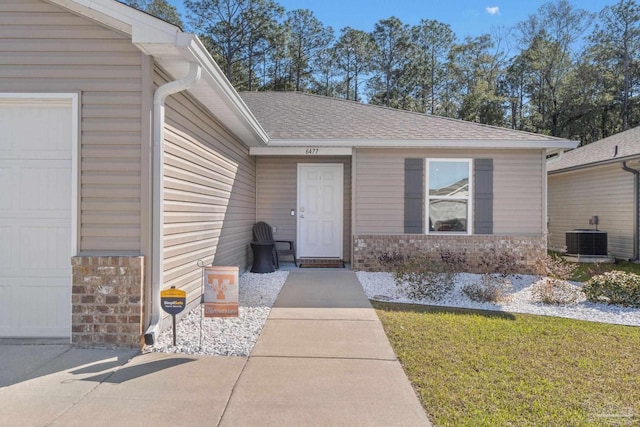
(628, 143)
(300, 116)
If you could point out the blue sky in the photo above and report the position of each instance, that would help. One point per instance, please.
(466, 17)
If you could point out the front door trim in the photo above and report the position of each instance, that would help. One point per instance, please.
(339, 206)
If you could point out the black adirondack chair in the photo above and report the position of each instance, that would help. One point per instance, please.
(262, 232)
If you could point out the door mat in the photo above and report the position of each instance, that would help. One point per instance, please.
(321, 263)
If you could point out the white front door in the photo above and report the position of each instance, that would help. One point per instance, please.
(35, 217)
(320, 213)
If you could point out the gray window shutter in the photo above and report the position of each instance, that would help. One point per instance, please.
(413, 195)
(483, 196)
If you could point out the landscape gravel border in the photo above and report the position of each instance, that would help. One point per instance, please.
(382, 287)
(237, 336)
(226, 336)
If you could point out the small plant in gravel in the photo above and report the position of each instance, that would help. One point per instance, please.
(496, 269)
(549, 290)
(453, 262)
(489, 288)
(614, 287)
(501, 263)
(422, 277)
(555, 288)
(556, 267)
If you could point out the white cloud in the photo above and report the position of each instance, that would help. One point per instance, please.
(493, 10)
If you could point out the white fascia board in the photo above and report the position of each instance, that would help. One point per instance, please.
(415, 143)
(214, 90)
(123, 18)
(193, 50)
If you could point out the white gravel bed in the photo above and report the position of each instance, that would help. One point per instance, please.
(381, 286)
(231, 336)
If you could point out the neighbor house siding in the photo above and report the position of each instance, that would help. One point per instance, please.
(605, 191)
(209, 196)
(45, 49)
(277, 194)
(518, 188)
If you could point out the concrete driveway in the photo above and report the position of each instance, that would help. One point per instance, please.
(322, 360)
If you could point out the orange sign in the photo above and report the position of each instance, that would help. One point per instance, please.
(220, 291)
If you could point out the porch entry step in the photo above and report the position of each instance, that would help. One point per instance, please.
(321, 263)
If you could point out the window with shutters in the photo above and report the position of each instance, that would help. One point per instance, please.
(449, 195)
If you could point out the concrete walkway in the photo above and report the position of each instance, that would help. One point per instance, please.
(322, 360)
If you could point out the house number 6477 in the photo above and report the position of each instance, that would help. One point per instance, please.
(312, 151)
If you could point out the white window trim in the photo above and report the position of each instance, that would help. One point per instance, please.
(469, 198)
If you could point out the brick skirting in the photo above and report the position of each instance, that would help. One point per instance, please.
(367, 249)
(107, 309)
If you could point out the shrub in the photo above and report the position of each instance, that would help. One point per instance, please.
(550, 290)
(614, 287)
(391, 260)
(490, 288)
(556, 267)
(453, 262)
(502, 263)
(496, 269)
(422, 277)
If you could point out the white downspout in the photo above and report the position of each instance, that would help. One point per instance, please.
(157, 243)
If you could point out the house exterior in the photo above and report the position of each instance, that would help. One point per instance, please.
(487, 185)
(599, 179)
(126, 157)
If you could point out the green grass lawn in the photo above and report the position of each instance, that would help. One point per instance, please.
(473, 368)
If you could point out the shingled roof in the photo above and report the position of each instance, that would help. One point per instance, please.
(296, 116)
(618, 147)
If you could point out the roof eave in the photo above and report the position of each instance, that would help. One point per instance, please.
(594, 164)
(426, 143)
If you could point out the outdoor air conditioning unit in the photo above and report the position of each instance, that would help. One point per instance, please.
(586, 242)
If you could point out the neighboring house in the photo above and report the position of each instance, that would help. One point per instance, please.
(599, 179)
(126, 157)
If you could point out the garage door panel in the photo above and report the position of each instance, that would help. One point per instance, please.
(5, 248)
(42, 301)
(35, 218)
(44, 186)
(6, 187)
(42, 249)
(6, 309)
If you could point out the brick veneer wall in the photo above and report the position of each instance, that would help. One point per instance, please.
(107, 301)
(368, 248)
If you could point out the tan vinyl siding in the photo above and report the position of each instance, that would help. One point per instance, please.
(209, 196)
(518, 188)
(277, 194)
(46, 49)
(605, 191)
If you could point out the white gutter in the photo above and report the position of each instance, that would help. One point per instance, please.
(423, 143)
(158, 197)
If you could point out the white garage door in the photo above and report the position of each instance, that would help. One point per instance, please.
(35, 217)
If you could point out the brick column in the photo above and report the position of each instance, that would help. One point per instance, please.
(107, 306)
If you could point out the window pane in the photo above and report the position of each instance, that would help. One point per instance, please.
(448, 215)
(449, 178)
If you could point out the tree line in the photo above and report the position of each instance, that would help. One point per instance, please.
(562, 71)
